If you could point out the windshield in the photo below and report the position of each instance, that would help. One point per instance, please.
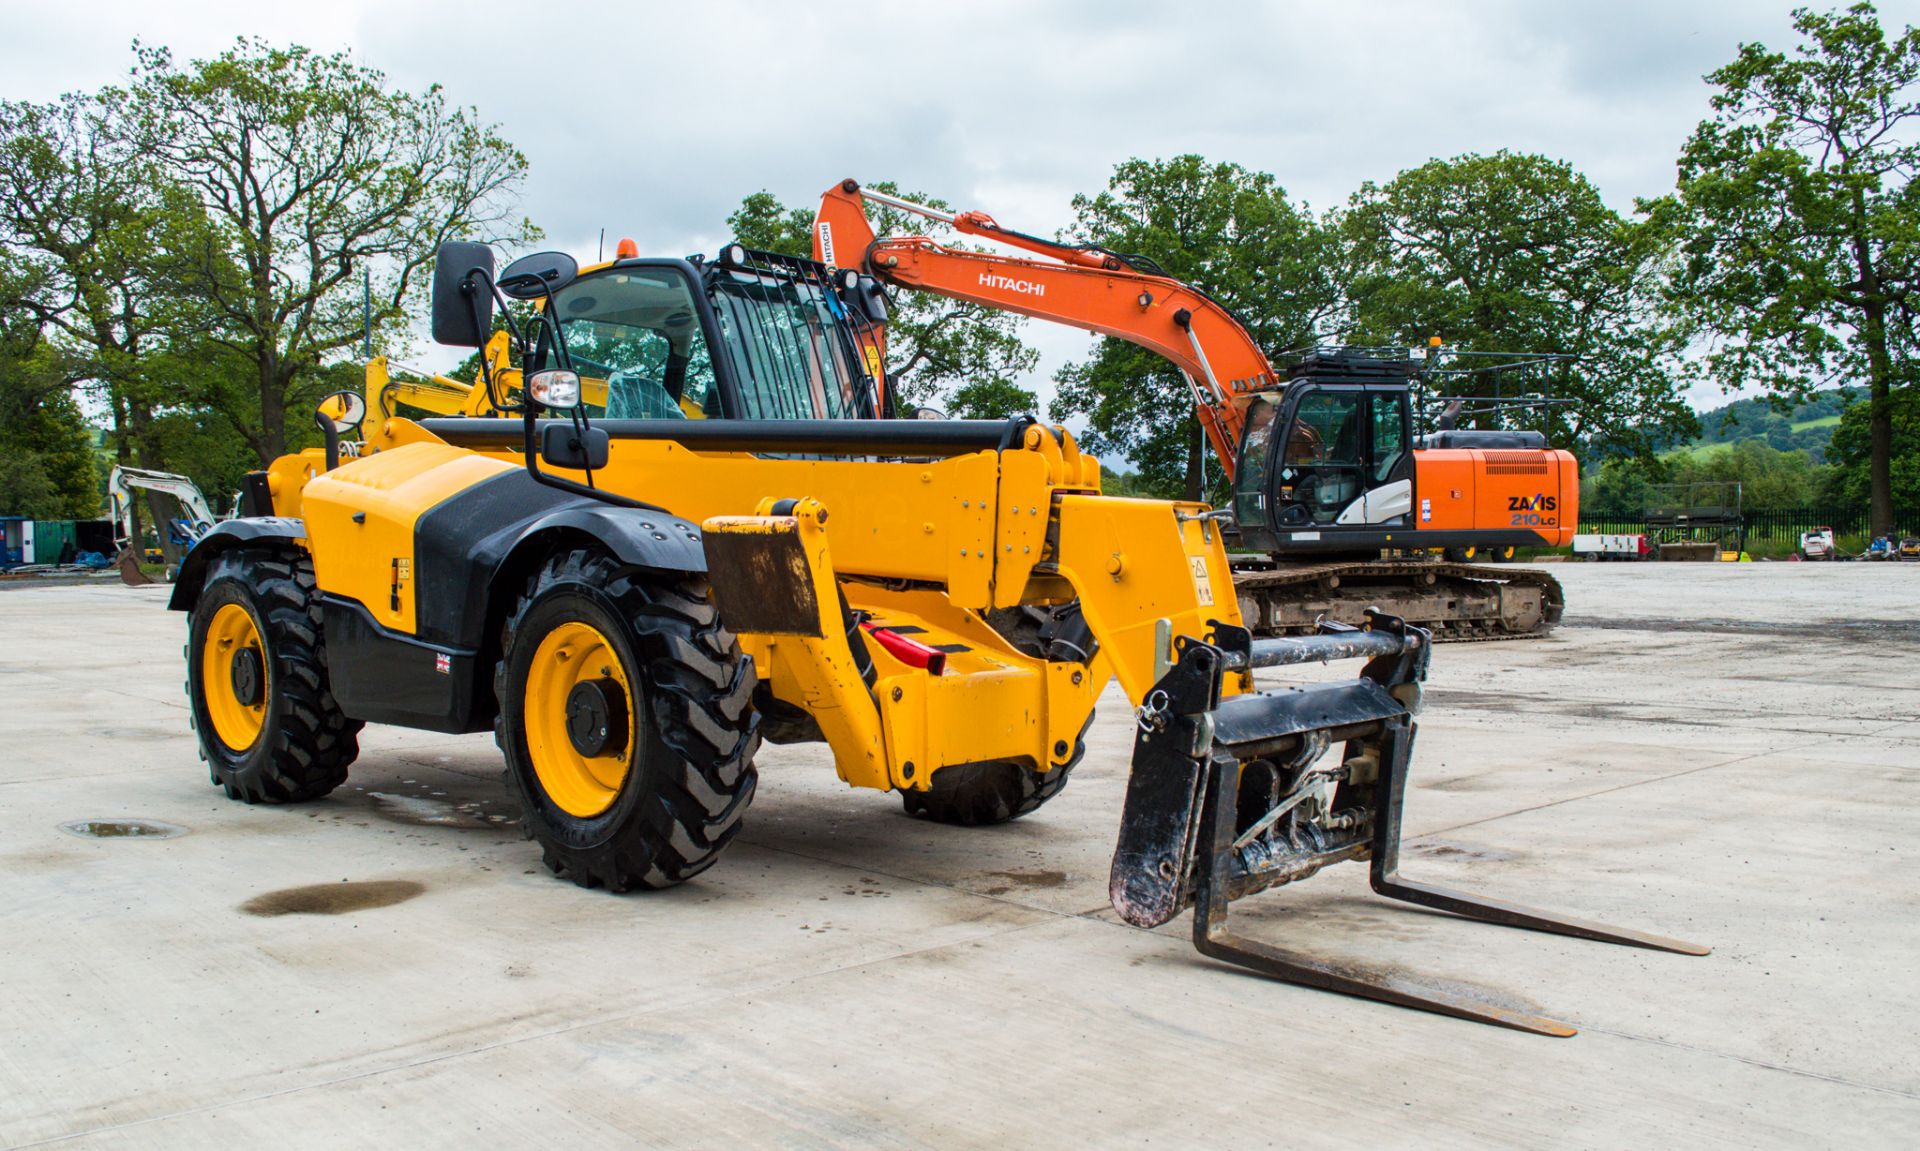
(635, 338)
(788, 343)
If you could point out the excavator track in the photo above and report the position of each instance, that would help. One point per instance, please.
(1456, 602)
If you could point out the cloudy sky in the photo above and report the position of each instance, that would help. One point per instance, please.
(652, 120)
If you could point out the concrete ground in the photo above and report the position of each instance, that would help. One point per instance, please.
(1730, 754)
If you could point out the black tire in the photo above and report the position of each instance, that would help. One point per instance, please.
(692, 777)
(305, 742)
(981, 794)
(1463, 554)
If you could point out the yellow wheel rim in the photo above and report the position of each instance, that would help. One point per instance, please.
(234, 677)
(579, 784)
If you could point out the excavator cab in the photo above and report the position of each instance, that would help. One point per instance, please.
(1328, 459)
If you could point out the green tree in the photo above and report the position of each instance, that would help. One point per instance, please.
(46, 447)
(1769, 479)
(1795, 213)
(308, 172)
(1850, 480)
(966, 357)
(89, 228)
(1513, 253)
(1234, 234)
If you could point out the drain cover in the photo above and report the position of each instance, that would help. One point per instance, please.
(123, 829)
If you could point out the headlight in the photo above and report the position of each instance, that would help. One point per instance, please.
(555, 387)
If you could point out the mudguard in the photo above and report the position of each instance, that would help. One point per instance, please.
(470, 548)
(225, 536)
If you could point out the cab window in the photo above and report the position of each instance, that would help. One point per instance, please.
(1389, 420)
(1326, 430)
(789, 347)
(634, 337)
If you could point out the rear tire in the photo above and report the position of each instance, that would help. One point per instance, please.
(269, 729)
(658, 808)
(1463, 555)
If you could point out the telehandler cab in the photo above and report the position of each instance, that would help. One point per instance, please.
(632, 604)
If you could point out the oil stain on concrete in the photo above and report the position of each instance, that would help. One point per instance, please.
(123, 829)
(333, 898)
(1026, 880)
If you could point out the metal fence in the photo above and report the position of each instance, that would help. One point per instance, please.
(1778, 523)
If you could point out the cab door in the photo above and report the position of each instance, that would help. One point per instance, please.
(1389, 462)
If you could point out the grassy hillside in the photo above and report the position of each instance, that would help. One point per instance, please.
(1805, 427)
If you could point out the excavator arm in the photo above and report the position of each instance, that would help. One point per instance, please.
(1085, 287)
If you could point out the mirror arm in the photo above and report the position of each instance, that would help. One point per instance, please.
(333, 439)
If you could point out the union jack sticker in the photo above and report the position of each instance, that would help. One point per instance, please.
(443, 663)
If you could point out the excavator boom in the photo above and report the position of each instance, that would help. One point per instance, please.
(1087, 288)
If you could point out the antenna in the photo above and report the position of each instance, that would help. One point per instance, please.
(601, 256)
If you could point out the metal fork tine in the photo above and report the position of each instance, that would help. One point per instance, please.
(1382, 986)
(1385, 876)
(1213, 937)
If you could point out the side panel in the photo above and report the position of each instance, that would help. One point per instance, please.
(1444, 488)
(382, 677)
(1522, 492)
(360, 522)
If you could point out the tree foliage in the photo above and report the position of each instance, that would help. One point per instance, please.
(1236, 235)
(89, 231)
(1798, 240)
(964, 357)
(1769, 479)
(1849, 479)
(1513, 253)
(309, 171)
(46, 448)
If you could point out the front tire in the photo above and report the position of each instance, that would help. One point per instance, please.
(627, 722)
(269, 729)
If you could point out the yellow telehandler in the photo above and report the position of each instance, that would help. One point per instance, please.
(719, 544)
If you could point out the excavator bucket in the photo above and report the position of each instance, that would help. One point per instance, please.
(128, 561)
(1230, 796)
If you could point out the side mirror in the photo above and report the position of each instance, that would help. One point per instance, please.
(929, 414)
(462, 301)
(532, 277)
(345, 411)
(561, 446)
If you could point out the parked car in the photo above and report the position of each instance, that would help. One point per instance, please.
(1910, 548)
(1817, 544)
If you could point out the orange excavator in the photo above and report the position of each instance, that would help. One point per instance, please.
(1338, 505)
